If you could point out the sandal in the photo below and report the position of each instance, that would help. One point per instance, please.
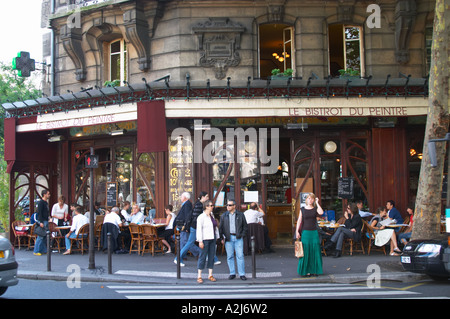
(394, 254)
(200, 280)
(211, 278)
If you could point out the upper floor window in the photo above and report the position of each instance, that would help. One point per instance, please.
(118, 61)
(345, 48)
(275, 48)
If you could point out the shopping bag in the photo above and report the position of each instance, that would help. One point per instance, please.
(298, 249)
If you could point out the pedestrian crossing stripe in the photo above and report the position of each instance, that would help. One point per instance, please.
(215, 291)
(162, 274)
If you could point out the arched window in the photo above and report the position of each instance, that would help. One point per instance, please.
(118, 66)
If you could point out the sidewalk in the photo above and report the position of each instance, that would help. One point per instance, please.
(277, 267)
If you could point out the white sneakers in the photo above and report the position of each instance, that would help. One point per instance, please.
(181, 264)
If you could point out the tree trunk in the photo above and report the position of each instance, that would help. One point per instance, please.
(428, 201)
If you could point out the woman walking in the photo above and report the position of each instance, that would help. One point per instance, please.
(207, 233)
(311, 262)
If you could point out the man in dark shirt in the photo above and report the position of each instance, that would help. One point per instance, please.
(42, 215)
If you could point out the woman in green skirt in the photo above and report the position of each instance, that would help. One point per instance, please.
(311, 262)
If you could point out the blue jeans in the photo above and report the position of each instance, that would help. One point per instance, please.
(41, 244)
(189, 243)
(235, 246)
(207, 253)
(67, 240)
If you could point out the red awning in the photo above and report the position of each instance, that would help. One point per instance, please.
(151, 124)
(10, 142)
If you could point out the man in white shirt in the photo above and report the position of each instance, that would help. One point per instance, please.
(136, 216)
(254, 214)
(78, 221)
(113, 218)
(362, 213)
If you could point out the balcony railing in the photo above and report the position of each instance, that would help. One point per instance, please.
(85, 3)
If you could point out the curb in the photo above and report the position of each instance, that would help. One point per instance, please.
(188, 278)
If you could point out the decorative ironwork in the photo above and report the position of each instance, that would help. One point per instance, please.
(250, 89)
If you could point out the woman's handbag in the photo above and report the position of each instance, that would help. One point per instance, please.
(298, 249)
(38, 230)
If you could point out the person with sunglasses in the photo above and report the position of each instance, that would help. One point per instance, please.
(353, 225)
(233, 229)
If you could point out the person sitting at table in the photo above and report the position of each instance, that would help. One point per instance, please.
(112, 224)
(382, 234)
(78, 221)
(406, 235)
(136, 216)
(125, 216)
(353, 224)
(393, 213)
(255, 215)
(167, 232)
(362, 213)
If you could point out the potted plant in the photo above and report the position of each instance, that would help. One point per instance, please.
(277, 74)
(348, 73)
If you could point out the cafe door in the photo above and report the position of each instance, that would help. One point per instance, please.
(321, 159)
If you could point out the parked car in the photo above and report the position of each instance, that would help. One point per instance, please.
(8, 266)
(429, 257)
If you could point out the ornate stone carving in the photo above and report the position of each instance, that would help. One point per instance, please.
(219, 40)
(405, 17)
(136, 27)
(71, 39)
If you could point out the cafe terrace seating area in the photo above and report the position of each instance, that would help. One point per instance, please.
(144, 238)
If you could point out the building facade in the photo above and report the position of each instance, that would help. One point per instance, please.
(178, 96)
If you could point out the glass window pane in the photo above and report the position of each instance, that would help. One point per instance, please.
(353, 56)
(115, 47)
(115, 67)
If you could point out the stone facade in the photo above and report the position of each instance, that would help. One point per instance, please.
(219, 39)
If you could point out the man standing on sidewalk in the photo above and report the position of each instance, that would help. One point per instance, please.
(233, 228)
(42, 214)
(181, 221)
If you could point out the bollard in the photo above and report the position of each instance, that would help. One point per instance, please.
(109, 254)
(253, 257)
(177, 236)
(49, 253)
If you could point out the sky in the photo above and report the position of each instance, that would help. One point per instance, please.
(20, 22)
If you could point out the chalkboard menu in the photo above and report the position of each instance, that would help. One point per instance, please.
(111, 194)
(345, 187)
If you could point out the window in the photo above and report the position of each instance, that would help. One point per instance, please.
(275, 48)
(345, 48)
(118, 61)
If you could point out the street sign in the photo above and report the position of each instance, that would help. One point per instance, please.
(24, 64)
(91, 161)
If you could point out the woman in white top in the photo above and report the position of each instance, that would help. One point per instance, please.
(207, 233)
(60, 211)
(382, 234)
(167, 232)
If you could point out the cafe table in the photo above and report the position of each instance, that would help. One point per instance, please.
(396, 225)
(329, 225)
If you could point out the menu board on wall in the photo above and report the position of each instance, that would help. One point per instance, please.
(111, 194)
(181, 158)
(345, 187)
